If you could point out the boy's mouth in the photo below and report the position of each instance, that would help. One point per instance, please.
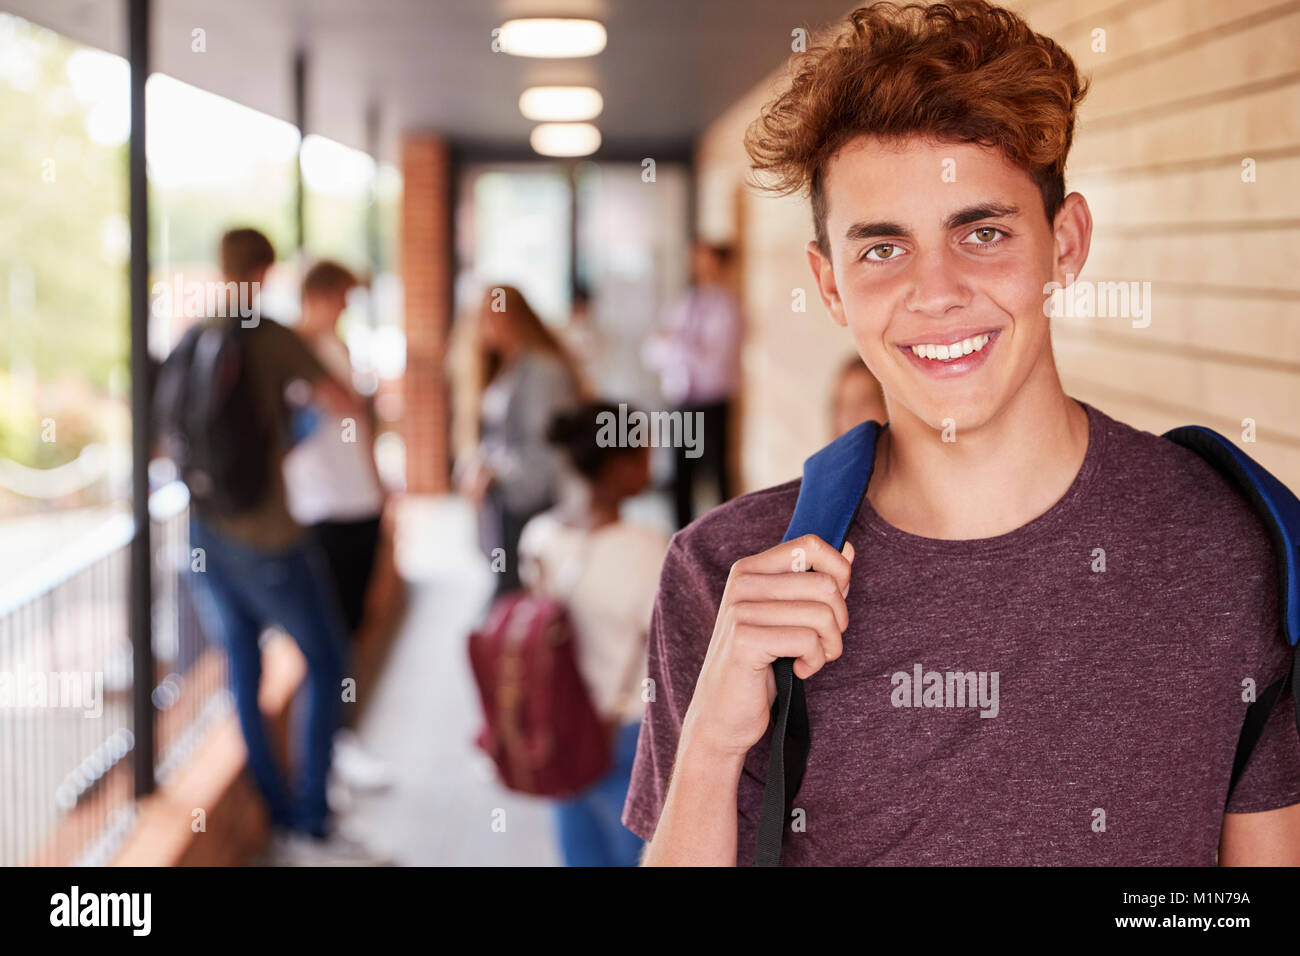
(949, 357)
(949, 353)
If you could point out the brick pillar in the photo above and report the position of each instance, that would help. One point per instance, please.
(426, 258)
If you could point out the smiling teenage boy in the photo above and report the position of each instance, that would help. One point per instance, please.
(1111, 591)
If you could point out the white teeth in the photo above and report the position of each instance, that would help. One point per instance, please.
(946, 353)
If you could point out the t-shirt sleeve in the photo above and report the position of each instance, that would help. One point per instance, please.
(294, 360)
(1272, 776)
(681, 626)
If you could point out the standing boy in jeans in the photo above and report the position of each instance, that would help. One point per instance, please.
(260, 568)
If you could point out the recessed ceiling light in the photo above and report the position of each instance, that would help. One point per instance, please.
(565, 139)
(551, 37)
(561, 104)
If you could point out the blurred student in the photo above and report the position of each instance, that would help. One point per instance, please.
(856, 398)
(223, 414)
(333, 485)
(513, 473)
(697, 356)
(583, 339)
(605, 571)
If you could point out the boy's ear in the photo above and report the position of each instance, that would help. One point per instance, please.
(824, 276)
(1073, 234)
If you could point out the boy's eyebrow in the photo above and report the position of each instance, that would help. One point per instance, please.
(989, 210)
(869, 230)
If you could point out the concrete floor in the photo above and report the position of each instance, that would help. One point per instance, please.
(422, 721)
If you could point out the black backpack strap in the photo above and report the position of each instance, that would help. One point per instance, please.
(834, 484)
(1279, 509)
(1257, 714)
(786, 761)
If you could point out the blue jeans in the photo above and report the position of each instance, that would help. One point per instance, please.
(590, 827)
(243, 590)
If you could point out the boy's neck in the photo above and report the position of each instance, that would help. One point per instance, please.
(989, 481)
(316, 326)
(605, 508)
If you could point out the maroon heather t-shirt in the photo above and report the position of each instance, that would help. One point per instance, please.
(1119, 692)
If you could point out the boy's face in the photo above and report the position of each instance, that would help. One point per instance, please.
(956, 261)
(326, 305)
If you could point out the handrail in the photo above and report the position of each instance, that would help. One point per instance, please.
(114, 534)
(46, 484)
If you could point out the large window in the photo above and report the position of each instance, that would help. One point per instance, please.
(214, 164)
(64, 242)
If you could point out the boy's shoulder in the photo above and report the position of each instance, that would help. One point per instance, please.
(1177, 504)
(1148, 483)
(1164, 474)
(743, 526)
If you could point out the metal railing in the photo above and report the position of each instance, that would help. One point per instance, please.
(67, 693)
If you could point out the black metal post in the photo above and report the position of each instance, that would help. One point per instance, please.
(574, 208)
(141, 579)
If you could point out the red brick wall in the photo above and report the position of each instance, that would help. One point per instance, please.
(426, 276)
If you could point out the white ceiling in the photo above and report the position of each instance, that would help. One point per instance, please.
(671, 66)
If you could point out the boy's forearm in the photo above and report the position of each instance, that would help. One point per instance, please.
(698, 824)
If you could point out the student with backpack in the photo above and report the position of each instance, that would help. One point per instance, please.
(1004, 628)
(563, 721)
(223, 416)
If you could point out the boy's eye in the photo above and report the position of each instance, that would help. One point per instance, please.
(882, 251)
(985, 235)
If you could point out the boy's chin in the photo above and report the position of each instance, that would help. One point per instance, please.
(953, 418)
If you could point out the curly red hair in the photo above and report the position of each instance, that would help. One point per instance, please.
(962, 71)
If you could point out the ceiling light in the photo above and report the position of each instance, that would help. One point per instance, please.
(561, 104)
(565, 139)
(554, 38)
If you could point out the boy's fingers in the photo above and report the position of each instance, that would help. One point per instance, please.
(806, 553)
(814, 615)
(768, 644)
(792, 586)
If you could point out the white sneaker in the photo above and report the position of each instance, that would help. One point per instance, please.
(356, 768)
(300, 849)
(338, 796)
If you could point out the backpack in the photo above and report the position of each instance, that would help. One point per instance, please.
(834, 485)
(210, 421)
(539, 724)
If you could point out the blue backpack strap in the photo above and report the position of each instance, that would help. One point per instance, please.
(834, 484)
(1279, 509)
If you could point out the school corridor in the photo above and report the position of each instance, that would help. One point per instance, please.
(444, 805)
(395, 136)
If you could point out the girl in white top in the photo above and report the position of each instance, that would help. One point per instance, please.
(605, 571)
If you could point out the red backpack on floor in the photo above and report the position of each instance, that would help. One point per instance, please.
(539, 724)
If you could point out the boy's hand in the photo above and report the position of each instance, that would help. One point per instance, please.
(772, 607)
